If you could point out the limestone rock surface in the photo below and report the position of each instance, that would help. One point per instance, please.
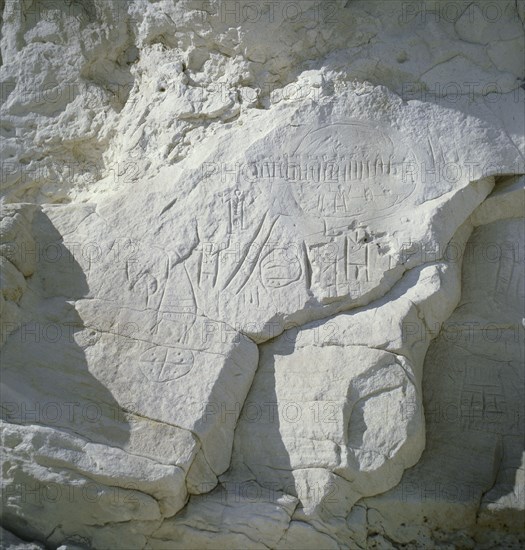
(262, 277)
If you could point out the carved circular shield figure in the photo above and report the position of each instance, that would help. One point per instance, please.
(280, 267)
(161, 364)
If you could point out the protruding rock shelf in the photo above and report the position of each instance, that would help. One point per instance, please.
(262, 277)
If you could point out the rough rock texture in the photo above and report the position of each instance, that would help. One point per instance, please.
(262, 274)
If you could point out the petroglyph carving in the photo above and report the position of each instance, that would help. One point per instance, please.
(161, 364)
(230, 310)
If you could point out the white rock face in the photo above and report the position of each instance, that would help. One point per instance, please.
(262, 274)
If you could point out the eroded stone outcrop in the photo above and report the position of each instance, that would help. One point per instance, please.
(262, 274)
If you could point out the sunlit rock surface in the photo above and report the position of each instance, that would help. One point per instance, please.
(262, 274)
